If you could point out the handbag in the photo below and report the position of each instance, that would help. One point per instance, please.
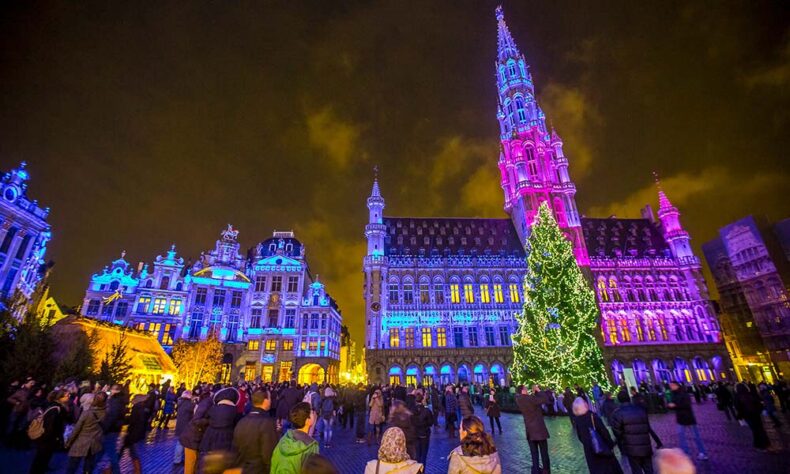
(599, 446)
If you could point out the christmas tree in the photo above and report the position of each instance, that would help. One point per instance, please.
(554, 345)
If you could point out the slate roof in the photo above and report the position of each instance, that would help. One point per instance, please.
(613, 238)
(450, 236)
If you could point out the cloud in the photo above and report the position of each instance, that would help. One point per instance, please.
(482, 195)
(774, 75)
(333, 136)
(575, 116)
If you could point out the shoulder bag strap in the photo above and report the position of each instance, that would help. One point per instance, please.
(378, 463)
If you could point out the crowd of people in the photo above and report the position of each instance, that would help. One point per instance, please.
(280, 427)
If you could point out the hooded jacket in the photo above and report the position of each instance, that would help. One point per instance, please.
(291, 451)
(460, 464)
(406, 467)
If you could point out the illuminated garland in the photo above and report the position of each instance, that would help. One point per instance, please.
(554, 345)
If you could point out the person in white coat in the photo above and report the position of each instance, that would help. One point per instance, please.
(393, 458)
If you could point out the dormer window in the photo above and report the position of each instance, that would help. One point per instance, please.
(512, 69)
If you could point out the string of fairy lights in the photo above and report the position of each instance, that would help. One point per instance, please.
(554, 345)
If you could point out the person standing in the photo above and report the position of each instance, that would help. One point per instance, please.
(169, 407)
(450, 408)
(724, 401)
(631, 427)
(328, 414)
(750, 408)
(535, 426)
(221, 421)
(54, 419)
(465, 403)
(193, 433)
(492, 410)
(255, 436)
(19, 402)
(477, 452)
(287, 399)
(359, 412)
(684, 415)
(392, 456)
(422, 419)
(588, 423)
(401, 417)
(376, 418)
(185, 410)
(111, 426)
(86, 438)
(567, 402)
(138, 424)
(436, 405)
(296, 445)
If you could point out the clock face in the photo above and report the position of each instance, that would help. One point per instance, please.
(10, 194)
(375, 306)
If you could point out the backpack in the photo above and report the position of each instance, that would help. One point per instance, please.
(36, 428)
(308, 398)
(327, 406)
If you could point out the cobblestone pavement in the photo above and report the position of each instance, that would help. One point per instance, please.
(728, 445)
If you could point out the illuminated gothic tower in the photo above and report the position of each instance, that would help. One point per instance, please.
(531, 162)
(375, 265)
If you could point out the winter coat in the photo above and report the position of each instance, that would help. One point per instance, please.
(254, 440)
(114, 414)
(376, 411)
(405, 467)
(358, 400)
(530, 406)
(422, 420)
(492, 408)
(138, 422)
(403, 420)
(683, 412)
(465, 405)
(631, 428)
(436, 401)
(184, 414)
(219, 433)
(287, 400)
(291, 451)
(450, 403)
(723, 397)
(460, 464)
(55, 421)
(597, 464)
(328, 407)
(747, 405)
(19, 400)
(86, 438)
(608, 406)
(170, 404)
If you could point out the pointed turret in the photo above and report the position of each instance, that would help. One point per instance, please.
(375, 230)
(674, 233)
(506, 46)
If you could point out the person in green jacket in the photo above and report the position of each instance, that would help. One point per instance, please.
(296, 445)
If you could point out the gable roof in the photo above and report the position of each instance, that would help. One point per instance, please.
(450, 236)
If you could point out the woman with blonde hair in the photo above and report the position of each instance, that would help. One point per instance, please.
(376, 418)
(594, 436)
(393, 457)
(477, 452)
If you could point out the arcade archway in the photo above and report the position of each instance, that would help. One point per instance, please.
(311, 373)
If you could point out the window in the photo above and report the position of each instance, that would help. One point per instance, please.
(285, 370)
(260, 283)
(154, 329)
(175, 307)
(290, 317)
(427, 339)
(514, 296)
(200, 296)
(498, 293)
(249, 371)
(168, 334)
(625, 331)
(438, 293)
(409, 337)
(305, 320)
(602, 294)
(469, 294)
(408, 293)
(522, 114)
(277, 283)
(235, 299)
(253, 345)
(233, 327)
(121, 308)
(473, 337)
(271, 345)
(511, 69)
(393, 293)
(255, 317)
(323, 321)
(195, 324)
(106, 310)
(293, 284)
(489, 330)
(164, 283)
(274, 316)
(454, 294)
(219, 298)
(314, 321)
(9, 237)
(288, 344)
(425, 293)
(159, 305)
(485, 296)
(532, 163)
(303, 346)
(458, 337)
(441, 337)
(504, 336)
(142, 305)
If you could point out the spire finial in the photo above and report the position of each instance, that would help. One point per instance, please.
(375, 172)
(506, 47)
(123, 253)
(500, 15)
(663, 200)
(657, 180)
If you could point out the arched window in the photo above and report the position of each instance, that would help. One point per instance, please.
(532, 163)
(602, 290)
(614, 291)
(114, 285)
(625, 331)
(502, 74)
(521, 170)
(522, 114)
(559, 212)
(511, 69)
(164, 283)
(611, 328)
(523, 69)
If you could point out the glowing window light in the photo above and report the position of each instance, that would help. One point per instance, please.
(625, 331)
(498, 293)
(469, 294)
(159, 305)
(455, 296)
(394, 337)
(427, 339)
(441, 337)
(612, 330)
(175, 307)
(142, 305)
(514, 296)
(485, 296)
(409, 342)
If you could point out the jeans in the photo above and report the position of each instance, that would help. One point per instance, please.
(327, 428)
(449, 419)
(360, 422)
(110, 449)
(684, 445)
(422, 449)
(641, 464)
(491, 420)
(544, 454)
(178, 454)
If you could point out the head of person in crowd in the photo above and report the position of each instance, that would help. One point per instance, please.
(474, 439)
(622, 397)
(99, 401)
(674, 386)
(261, 399)
(299, 416)
(317, 464)
(580, 407)
(673, 461)
(393, 446)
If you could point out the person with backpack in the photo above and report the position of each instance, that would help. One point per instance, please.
(328, 413)
(596, 440)
(46, 430)
(422, 420)
(111, 427)
(296, 445)
(314, 399)
(86, 438)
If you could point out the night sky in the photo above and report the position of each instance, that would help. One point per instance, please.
(151, 123)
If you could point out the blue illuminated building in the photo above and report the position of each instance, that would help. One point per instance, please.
(24, 233)
(276, 321)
